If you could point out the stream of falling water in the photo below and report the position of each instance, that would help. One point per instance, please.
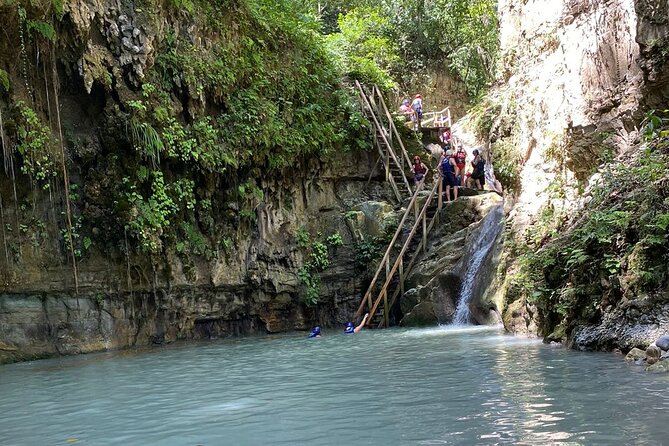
(482, 244)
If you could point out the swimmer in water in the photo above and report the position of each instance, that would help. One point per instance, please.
(316, 332)
(349, 329)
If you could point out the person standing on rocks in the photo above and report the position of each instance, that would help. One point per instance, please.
(460, 164)
(478, 165)
(419, 170)
(447, 170)
(349, 329)
(445, 137)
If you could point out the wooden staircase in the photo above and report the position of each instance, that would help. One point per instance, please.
(406, 245)
(388, 282)
(387, 141)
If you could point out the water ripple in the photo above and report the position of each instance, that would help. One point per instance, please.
(437, 386)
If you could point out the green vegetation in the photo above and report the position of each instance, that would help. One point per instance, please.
(572, 267)
(176, 157)
(316, 252)
(34, 143)
(393, 41)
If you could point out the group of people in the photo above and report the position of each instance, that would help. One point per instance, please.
(452, 169)
(413, 111)
(349, 328)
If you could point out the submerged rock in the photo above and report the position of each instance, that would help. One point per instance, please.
(658, 367)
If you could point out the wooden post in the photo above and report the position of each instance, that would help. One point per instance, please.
(402, 278)
(425, 231)
(440, 200)
(385, 309)
(387, 266)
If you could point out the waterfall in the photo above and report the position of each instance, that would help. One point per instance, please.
(480, 247)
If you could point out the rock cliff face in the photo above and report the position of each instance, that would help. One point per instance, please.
(434, 286)
(238, 270)
(578, 77)
(255, 288)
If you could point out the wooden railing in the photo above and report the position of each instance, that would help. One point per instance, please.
(387, 140)
(437, 119)
(370, 303)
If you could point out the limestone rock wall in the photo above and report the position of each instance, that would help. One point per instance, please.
(577, 78)
(255, 288)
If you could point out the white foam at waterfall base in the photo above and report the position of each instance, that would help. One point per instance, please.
(485, 237)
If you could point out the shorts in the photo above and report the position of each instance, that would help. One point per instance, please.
(449, 180)
(418, 177)
(477, 175)
(460, 166)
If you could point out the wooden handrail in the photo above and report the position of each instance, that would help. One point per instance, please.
(407, 158)
(419, 248)
(380, 128)
(386, 255)
(404, 156)
(434, 115)
(400, 256)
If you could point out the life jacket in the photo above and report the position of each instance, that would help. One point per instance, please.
(480, 166)
(446, 167)
(460, 157)
(418, 169)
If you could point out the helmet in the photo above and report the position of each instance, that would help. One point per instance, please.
(449, 152)
(349, 327)
(405, 102)
(315, 332)
(419, 96)
(416, 158)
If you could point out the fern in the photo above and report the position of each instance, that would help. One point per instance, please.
(147, 140)
(45, 29)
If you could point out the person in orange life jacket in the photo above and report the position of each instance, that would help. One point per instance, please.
(419, 170)
(478, 165)
(447, 169)
(349, 329)
(460, 163)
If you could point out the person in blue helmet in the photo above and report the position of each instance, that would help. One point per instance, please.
(316, 332)
(350, 329)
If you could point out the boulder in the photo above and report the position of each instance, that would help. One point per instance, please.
(421, 315)
(658, 367)
(653, 351)
(634, 354)
(663, 342)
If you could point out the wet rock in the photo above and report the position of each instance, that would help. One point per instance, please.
(634, 354)
(653, 351)
(663, 342)
(421, 315)
(658, 367)
(6, 347)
